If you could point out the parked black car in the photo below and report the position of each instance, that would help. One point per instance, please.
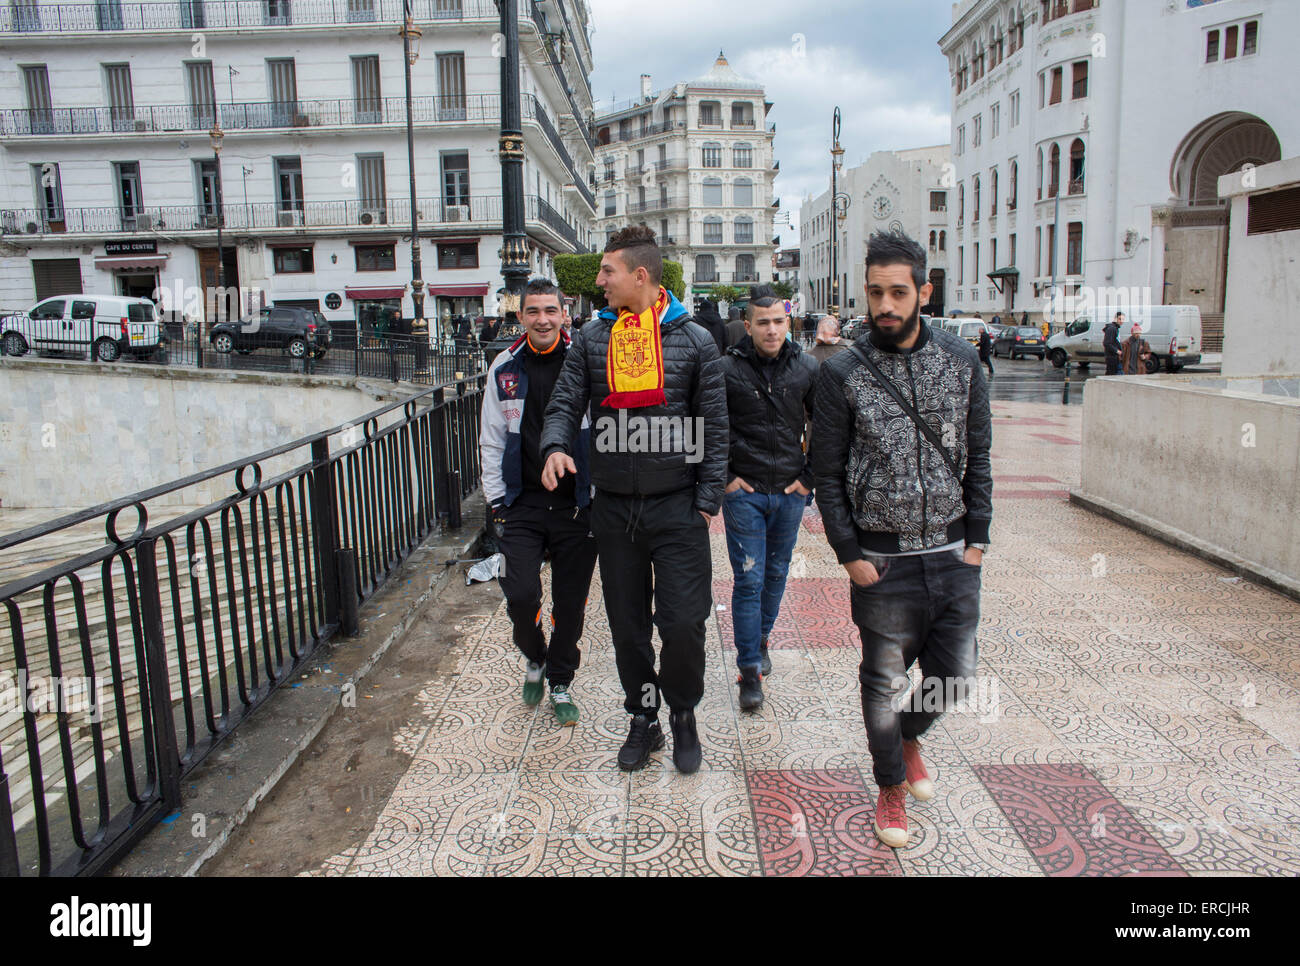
(1019, 340)
(289, 328)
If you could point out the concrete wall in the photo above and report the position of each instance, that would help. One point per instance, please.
(74, 435)
(1263, 296)
(1176, 452)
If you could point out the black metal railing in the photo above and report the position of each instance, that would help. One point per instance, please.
(539, 210)
(165, 636)
(533, 110)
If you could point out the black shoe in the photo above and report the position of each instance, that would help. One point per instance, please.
(765, 668)
(751, 688)
(686, 743)
(643, 737)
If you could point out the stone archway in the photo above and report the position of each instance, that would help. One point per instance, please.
(1196, 225)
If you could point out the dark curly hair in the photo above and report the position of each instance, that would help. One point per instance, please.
(896, 248)
(638, 248)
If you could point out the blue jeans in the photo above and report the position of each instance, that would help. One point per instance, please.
(761, 531)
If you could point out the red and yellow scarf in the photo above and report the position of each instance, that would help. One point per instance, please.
(634, 365)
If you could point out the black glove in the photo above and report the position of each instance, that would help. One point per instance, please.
(497, 519)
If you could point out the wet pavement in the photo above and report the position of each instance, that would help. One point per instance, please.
(1138, 714)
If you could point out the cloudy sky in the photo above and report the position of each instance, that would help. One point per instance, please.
(878, 60)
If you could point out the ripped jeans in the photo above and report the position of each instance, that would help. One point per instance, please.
(761, 531)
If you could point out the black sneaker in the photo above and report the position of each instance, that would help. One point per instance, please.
(643, 737)
(751, 688)
(765, 667)
(686, 742)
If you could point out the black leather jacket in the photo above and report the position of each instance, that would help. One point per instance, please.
(766, 440)
(696, 399)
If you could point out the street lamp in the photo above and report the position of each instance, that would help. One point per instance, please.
(510, 152)
(837, 158)
(419, 328)
(215, 137)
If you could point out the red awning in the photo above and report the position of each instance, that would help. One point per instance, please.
(459, 290)
(375, 293)
(117, 262)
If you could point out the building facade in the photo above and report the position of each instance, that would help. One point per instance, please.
(1089, 136)
(109, 182)
(695, 163)
(901, 190)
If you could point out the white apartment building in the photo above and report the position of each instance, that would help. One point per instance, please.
(109, 181)
(1127, 114)
(891, 190)
(694, 162)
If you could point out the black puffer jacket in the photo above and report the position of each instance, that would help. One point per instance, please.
(881, 486)
(696, 399)
(766, 444)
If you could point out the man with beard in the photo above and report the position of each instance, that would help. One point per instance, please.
(901, 437)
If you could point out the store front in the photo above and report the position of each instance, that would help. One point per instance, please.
(377, 310)
(135, 266)
(453, 302)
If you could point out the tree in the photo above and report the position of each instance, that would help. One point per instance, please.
(783, 290)
(726, 293)
(576, 275)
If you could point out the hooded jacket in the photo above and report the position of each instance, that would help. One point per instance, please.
(881, 485)
(766, 440)
(688, 439)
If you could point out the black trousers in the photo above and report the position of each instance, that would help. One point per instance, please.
(1112, 364)
(566, 533)
(655, 551)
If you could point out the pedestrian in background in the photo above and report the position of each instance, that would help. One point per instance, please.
(986, 348)
(1110, 343)
(1135, 353)
(828, 340)
(735, 326)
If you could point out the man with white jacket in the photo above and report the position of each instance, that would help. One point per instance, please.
(530, 519)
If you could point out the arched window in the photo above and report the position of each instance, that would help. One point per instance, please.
(993, 193)
(744, 231)
(1076, 167)
(742, 156)
(1014, 188)
(745, 269)
(742, 193)
(704, 269)
(1040, 174)
(943, 241)
(711, 154)
(712, 192)
(933, 239)
(975, 208)
(713, 230)
(611, 203)
(961, 204)
(1054, 172)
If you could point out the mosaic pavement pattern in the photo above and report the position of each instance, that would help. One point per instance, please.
(1138, 714)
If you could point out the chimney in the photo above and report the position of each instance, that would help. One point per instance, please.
(645, 87)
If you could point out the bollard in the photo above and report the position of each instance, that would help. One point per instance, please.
(349, 623)
(1065, 391)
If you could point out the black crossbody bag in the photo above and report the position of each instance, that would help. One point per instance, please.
(921, 424)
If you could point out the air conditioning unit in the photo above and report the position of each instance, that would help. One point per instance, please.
(144, 222)
(142, 125)
(289, 219)
(301, 120)
(207, 221)
(374, 216)
(458, 212)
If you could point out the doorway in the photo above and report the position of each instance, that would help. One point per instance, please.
(219, 306)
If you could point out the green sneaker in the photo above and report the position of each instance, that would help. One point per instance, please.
(534, 683)
(566, 712)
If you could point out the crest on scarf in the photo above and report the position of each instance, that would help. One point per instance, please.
(633, 351)
(509, 384)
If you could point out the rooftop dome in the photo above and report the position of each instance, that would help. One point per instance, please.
(723, 76)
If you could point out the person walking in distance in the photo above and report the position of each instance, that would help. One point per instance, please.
(770, 382)
(1110, 343)
(901, 437)
(1135, 353)
(986, 349)
(828, 340)
(529, 519)
(648, 372)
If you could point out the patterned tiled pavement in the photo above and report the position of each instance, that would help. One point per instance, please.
(1138, 714)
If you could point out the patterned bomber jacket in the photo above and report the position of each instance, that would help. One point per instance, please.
(882, 487)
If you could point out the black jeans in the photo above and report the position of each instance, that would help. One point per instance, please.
(566, 533)
(1112, 364)
(927, 608)
(655, 549)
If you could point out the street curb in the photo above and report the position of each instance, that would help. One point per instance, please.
(227, 788)
(1257, 573)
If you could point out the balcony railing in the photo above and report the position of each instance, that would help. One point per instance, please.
(657, 204)
(535, 111)
(262, 216)
(649, 130)
(1076, 186)
(742, 125)
(251, 115)
(539, 210)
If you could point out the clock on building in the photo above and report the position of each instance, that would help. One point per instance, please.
(882, 206)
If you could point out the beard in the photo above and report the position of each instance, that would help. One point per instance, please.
(904, 332)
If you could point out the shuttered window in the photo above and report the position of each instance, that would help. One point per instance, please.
(49, 190)
(743, 193)
(283, 82)
(451, 87)
(56, 276)
(41, 117)
(202, 93)
(117, 82)
(1273, 211)
(455, 179)
(370, 181)
(365, 89)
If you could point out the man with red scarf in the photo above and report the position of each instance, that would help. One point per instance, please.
(653, 381)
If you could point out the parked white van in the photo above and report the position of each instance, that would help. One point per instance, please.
(1172, 331)
(107, 326)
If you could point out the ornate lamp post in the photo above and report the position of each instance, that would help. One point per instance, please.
(419, 328)
(514, 245)
(215, 137)
(837, 158)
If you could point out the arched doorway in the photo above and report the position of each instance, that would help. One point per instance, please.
(1196, 232)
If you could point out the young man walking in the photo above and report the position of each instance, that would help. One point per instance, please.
(653, 381)
(1110, 343)
(530, 519)
(770, 384)
(901, 437)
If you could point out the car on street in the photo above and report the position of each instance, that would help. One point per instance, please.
(968, 329)
(1019, 340)
(1172, 331)
(107, 327)
(288, 328)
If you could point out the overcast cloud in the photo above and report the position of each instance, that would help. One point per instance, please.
(879, 62)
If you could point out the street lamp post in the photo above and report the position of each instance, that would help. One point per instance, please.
(419, 328)
(837, 157)
(510, 152)
(215, 137)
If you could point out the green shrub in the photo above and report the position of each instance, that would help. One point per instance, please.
(576, 275)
